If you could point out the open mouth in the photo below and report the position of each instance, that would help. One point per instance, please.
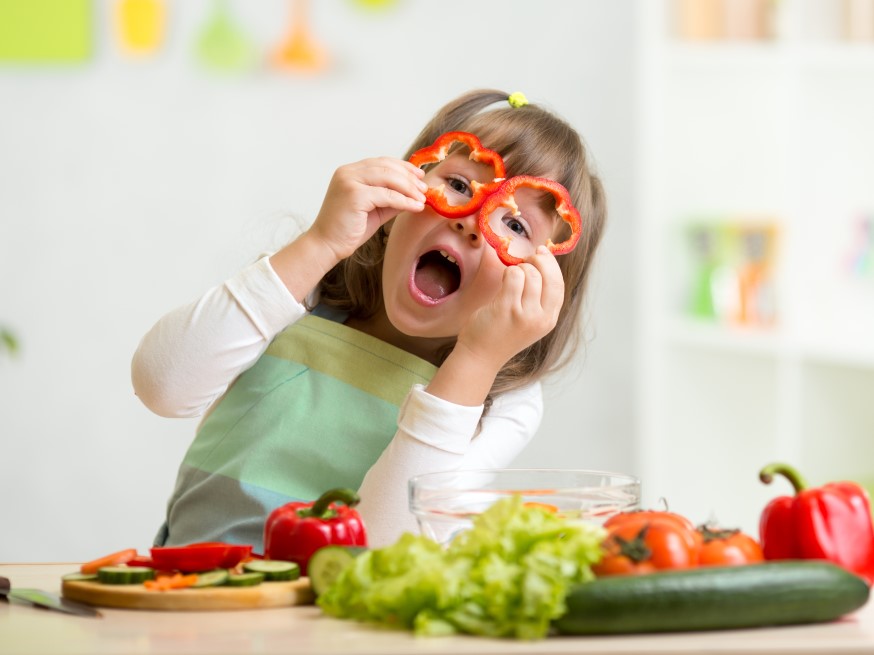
(437, 274)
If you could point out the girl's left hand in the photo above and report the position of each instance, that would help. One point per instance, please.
(524, 310)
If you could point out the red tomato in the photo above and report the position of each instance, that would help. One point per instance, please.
(617, 564)
(642, 542)
(728, 547)
(641, 516)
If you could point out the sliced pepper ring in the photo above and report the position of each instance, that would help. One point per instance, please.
(504, 196)
(203, 556)
(437, 152)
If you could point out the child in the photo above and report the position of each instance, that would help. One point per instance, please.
(384, 342)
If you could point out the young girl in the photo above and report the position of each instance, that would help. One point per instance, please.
(384, 342)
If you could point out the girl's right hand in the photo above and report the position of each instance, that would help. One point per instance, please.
(363, 196)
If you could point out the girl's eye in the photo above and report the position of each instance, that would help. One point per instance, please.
(459, 185)
(516, 226)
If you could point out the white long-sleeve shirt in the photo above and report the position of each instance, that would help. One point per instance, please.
(186, 362)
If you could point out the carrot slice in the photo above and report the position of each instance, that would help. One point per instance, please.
(547, 506)
(121, 557)
(169, 582)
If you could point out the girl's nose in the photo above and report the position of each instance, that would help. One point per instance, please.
(468, 227)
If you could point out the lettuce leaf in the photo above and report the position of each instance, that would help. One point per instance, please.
(507, 576)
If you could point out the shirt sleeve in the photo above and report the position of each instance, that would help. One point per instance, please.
(436, 435)
(189, 358)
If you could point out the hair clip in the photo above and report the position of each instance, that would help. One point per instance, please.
(517, 100)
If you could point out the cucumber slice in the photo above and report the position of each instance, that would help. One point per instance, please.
(273, 570)
(124, 574)
(78, 576)
(245, 579)
(214, 578)
(326, 564)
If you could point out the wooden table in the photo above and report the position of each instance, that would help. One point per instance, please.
(26, 630)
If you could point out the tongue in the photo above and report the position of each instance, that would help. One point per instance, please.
(434, 281)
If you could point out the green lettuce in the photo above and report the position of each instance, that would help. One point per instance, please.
(507, 576)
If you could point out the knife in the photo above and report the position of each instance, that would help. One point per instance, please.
(39, 598)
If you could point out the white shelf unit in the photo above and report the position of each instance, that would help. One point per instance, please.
(781, 129)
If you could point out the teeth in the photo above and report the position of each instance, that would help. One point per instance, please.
(448, 256)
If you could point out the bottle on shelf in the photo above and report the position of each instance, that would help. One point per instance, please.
(733, 20)
(859, 20)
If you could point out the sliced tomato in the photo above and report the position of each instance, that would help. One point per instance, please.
(200, 556)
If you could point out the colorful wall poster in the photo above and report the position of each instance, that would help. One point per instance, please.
(46, 31)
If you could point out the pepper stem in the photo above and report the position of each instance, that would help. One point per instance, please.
(766, 475)
(323, 504)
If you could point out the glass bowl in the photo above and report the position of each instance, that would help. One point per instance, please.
(445, 503)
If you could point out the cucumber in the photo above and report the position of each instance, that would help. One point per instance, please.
(78, 576)
(327, 562)
(125, 574)
(713, 598)
(214, 578)
(273, 570)
(245, 579)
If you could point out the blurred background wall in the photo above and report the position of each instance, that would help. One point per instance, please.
(145, 164)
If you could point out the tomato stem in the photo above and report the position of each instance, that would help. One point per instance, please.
(635, 549)
(711, 533)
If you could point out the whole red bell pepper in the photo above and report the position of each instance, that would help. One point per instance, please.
(832, 522)
(294, 531)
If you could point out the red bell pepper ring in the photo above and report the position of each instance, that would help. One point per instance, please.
(832, 522)
(437, 152)
(295, 531)
(203, 556)
(504, 197)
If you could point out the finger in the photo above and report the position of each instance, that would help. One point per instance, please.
(512, 287)
(418, 172)
(383, 197)
(533, 286)
(394, 175)
(552, 283)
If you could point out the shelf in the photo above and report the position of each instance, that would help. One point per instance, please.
(722, 56)
(769, 57)
(852, 351)
(856, 57)
(710, 335)
(776, 132)
(848, 354)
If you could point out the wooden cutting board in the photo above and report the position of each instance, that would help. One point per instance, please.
(136, 596)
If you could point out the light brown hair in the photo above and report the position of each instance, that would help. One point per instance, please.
(532, 141)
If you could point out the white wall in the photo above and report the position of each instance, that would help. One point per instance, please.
(129, 187)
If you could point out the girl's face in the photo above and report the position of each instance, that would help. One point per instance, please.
(438, 271)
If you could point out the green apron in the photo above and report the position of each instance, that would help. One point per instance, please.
(313, 413)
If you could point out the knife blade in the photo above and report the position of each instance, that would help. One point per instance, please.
(44, 599)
